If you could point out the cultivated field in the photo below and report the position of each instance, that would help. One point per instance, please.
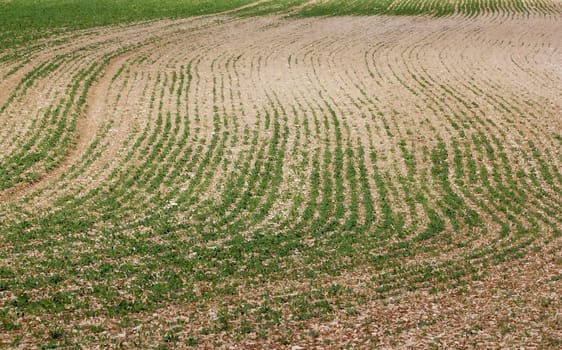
(280, 174)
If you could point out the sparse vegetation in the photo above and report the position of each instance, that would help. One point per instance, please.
(245, 178)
